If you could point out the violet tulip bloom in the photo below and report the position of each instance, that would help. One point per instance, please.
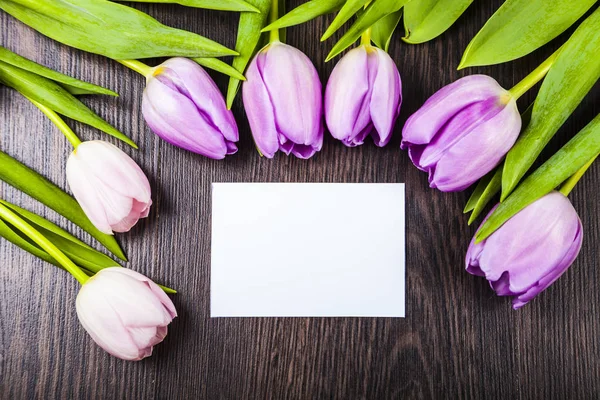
(282, 98)
(363, 97)
(462, 132)
(530, 251)
(111, 188)
(124, 312)
(184, 106)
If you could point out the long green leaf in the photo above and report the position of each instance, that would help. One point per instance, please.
(222, 5)
(220, 66)
(12, 236)
(478, 191)
(71, 84)
(570, 158)
(305, 12)
(54, 96)
(82, 254)
(427, 19)
(91, 261)
(110, 29)
(248, 38)
(569, 79)
(30, 182)
(520, 27)
(382, 30)
(346, 12)
(374, 12)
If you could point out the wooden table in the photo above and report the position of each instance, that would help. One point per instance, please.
(458, 339)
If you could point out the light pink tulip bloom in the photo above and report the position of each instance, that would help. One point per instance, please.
(110, 187)
(124, 312)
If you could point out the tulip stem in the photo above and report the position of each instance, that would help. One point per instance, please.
(365, 38)
(570, 183)
(534, 77)
(274, 33)
(58, 121)
(12, 218)
(137, 66)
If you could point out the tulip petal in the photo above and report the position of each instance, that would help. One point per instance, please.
(177, 120)
(531, 250)
(259, 109)
(386, 97)
(295, 91)
(195, 83)
(477, 153)
(425, 123)
(347, 96)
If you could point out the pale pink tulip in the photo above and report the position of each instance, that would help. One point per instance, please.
(110, 187)
(124, 312)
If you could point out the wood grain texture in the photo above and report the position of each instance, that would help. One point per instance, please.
(458, 340)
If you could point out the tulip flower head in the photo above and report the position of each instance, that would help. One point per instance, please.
(184, 106)
(462, 132)
(282, 98)
(124, 312)
(111, 188)
(363, 96)
(530, 251)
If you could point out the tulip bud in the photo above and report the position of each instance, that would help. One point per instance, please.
(282, 98)
(111, 188)
(530, 251)
(124, 312)
(462, 132)
(184, 106)
(363, 97)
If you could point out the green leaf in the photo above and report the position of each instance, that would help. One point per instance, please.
(222, 5)
(427, 19)
(54, 96)
(373, 13)
(491, 189)
(82, 254)
(248, 38)
(479, 190)
(89, 259)
(568, 160)
(570, 78)
(347, 11)
(519, 27)
(14, 237)
(220, 66)
(71, 84)
(305, 12)
(382, 30)
(30, 182)
(110, 29)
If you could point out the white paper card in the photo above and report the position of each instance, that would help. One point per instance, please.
(307, 250)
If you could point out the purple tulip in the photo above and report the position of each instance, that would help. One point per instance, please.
(184, 106)
(530, 251)
(363, 97)
(282, 98)
(462, 132)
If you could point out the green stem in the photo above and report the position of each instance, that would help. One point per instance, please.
(58, 121)
(534, 77)
(365, 38)
(570, 183)
(9, 216)
(138, 67)
(274, 34)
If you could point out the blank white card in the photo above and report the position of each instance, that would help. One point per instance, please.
(307, 250)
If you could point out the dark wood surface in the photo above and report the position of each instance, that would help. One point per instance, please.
(457, 341)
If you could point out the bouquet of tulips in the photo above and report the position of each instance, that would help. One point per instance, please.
(470, 132)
